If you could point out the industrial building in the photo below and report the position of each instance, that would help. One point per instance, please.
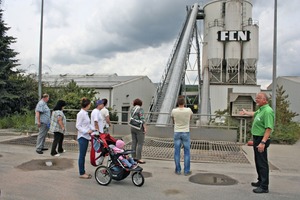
(291, 85)
(119, 90)
(225, 37)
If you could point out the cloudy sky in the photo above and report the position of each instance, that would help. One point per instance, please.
(132, 37)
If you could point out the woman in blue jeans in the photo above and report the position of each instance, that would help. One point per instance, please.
(83, 125)
(181, 118)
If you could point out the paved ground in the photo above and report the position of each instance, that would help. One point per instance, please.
(20, 182)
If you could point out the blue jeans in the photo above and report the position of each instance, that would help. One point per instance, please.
(129, 162)
(182, 138)
(83, 146)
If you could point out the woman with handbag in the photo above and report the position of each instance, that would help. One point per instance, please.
(138, 135)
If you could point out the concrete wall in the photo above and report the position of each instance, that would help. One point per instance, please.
(197, 133)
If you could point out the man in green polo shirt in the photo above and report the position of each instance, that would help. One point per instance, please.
(262, 126)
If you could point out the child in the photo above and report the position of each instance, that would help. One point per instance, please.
(125, 159)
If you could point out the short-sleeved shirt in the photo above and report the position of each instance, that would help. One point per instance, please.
(44, 111)
(54, 126)
(182, 117)
(263, 119)
(104, 113)
(96, 116)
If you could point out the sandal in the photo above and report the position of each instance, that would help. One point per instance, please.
(86, 176)
(141, 162)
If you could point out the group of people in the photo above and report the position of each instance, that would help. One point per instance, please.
(99, 121)
(262, 127)
(56, 123)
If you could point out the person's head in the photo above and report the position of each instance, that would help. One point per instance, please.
(104, 102)
(45, 97)
(261, 99)
(181, 100)
(85, 103)
(137, 102)
(120, 144)
(99, 104)
(59, 105)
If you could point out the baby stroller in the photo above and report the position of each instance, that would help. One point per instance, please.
(116, 170)
(99, 149)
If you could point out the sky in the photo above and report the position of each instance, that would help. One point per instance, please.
(133, 37)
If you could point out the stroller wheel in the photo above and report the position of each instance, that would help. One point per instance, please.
(138, 179)
(103, 175)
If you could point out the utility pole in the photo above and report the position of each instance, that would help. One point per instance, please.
(40, 55)
(274, 84)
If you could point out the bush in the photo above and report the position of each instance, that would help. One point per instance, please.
(287, 134)
(22, 122)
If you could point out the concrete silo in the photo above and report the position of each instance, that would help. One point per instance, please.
(230, 50)
(250, 48)
(233, 22)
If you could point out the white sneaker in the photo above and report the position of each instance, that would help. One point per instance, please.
(56, 155)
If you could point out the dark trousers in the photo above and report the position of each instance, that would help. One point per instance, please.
(261, 162)
(58, 141)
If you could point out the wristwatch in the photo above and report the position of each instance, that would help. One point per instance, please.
(263, 142)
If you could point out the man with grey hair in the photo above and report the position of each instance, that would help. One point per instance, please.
(42, 119)
(262, 126)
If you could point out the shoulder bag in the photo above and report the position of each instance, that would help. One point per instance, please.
(134, 123)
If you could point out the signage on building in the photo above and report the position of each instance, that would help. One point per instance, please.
(233, 36)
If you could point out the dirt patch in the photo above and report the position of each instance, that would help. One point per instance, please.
(47, 164)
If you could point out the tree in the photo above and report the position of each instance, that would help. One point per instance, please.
(7, 64)
(286, 131)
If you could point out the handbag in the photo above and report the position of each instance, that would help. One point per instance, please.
(134, 123)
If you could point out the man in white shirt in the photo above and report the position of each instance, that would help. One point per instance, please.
(181, 118)
(97, 124)
(105, 116)
(96, 118)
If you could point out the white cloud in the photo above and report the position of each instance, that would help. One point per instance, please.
(133, 37)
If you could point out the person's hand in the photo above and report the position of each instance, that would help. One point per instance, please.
(261, 147)
(243, 112)
(39, 124)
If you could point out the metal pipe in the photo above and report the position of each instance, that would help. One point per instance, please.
(40, 55)
(274, 85)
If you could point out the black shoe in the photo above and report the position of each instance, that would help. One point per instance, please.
(39, 152)
(44, 149)
(255, 184)
(260, 190)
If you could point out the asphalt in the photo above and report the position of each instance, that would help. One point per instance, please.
(160, 180)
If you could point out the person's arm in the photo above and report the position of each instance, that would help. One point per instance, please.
(38, 119)
(96, 125)
(262, 144)
(107, 120)
(244, 112)
(60, 122)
